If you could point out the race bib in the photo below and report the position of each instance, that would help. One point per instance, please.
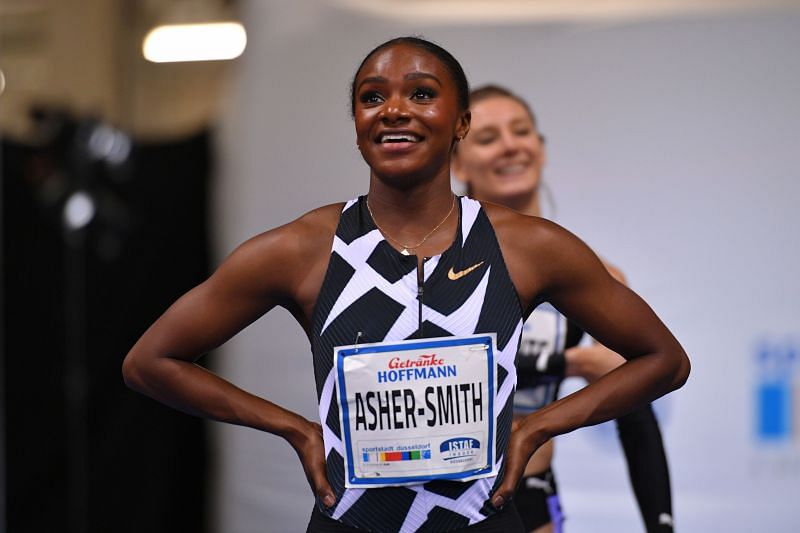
(414, 411)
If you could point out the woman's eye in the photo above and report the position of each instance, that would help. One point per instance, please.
(422, 93)
(485, 139)
(370, 97)
(522, 132)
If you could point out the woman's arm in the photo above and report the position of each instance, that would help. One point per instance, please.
(592, 361)
(576, 282)
(279, 267)
(548, 263)
(638, 432)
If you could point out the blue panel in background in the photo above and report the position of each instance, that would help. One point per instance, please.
(773, 411)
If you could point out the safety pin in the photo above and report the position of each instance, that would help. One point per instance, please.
(481, 348)
(355, 343)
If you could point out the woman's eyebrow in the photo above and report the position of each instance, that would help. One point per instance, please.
(372, 79)
(491, 128)
(407, 77)
(422, 75)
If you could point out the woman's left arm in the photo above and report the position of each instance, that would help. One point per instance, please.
(594, 360)
(575, 281)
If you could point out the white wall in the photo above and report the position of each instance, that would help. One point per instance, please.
(672, 151)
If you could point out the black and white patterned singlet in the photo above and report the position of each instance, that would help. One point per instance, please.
(372, 288)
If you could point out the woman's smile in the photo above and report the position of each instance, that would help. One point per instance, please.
(511, 168)
(398, 141)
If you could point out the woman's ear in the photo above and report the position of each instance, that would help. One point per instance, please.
(462, 129)
(463, 125)
(543, 156)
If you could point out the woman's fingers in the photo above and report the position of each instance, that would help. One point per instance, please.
(312, 456)
(505, 491)
(516, 459)
(320, 484)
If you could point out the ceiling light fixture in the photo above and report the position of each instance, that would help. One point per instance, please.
(195, 42)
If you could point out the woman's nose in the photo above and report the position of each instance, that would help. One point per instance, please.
(394, 109)
(509, 143)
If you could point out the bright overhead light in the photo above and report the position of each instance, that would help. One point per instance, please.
(195, 42)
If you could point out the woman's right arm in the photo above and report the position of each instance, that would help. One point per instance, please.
(279, 267)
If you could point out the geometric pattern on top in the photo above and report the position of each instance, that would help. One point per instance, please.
(370, 291)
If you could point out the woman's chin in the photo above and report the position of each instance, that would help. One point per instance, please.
(407, 174)
(400, 179)
(513, 192)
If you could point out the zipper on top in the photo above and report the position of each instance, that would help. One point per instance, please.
(420, 294)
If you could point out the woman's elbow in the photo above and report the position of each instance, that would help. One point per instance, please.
(132, 372)
(681, 374)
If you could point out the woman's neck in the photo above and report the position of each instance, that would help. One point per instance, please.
(417, 205)
(421, 219)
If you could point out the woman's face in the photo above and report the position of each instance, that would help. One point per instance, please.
(502, 157)
(406, 114)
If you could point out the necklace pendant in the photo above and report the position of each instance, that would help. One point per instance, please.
(405, 251)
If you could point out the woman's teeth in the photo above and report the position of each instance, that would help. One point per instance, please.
(511, 169)
(399, 138)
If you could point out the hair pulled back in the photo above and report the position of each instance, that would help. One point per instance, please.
(484, 92)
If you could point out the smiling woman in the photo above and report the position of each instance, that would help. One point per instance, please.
(441, 276)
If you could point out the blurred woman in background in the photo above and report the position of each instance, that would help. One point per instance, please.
(501, 161)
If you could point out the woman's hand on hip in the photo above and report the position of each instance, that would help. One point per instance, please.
(310, 449)
(523, 443)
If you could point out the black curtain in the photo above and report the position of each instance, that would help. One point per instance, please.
(145, 464)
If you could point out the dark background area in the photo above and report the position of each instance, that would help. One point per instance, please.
(140, 466)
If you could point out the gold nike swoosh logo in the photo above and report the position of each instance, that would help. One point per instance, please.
(458, 275)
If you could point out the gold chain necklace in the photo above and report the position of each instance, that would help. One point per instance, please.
(406, 247)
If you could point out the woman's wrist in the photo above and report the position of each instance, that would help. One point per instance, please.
(534, 431)
(297, 431)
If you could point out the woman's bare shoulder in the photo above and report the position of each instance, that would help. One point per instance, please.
(535, 235)
(282, 257)
(303, 235)
(538, 253)
(515, 229)
(319, 223)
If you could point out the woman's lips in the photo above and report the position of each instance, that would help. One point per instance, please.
(512, 169)
(394, 147)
